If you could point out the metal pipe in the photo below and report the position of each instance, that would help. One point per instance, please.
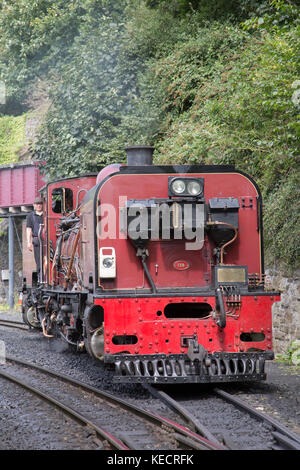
(41, 273)
(230, 241)
(147, 272)
(11, 263)
(44, 329)
(68, 275)
(222, 320)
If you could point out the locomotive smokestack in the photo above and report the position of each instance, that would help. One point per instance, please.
(139, 155)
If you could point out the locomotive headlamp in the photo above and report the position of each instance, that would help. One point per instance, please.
(194, 188)
(178, 186)
(107, 263)
(185, 186)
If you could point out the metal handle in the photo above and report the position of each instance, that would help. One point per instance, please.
(221, 322)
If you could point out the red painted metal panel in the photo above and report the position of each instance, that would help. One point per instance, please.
(157, 334)
(19, 184)
(162, 255)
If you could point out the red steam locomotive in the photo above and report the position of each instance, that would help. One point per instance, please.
(157, 271)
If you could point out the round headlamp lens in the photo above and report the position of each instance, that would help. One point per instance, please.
(194, 188)
(178, 186)
(107, 262)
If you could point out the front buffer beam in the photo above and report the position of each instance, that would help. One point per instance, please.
(179, 368)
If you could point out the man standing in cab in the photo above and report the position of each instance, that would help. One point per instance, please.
(34, 224)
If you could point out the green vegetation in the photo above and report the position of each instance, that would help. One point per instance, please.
(4, 307)
(292, 355)
(210, 82)
(242, 114)
(12, 137)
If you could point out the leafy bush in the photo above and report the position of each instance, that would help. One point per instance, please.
(92, 98)
(240, 111)
(12, 138)
(182, 75)
(35, 36)
(277, 16)
(292, 355)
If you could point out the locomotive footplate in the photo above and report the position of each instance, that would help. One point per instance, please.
(180, 368)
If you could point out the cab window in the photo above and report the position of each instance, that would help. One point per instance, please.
(62, 200)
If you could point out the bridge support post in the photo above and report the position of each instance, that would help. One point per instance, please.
(11, 262)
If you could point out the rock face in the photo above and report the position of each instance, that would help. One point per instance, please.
(286, 313)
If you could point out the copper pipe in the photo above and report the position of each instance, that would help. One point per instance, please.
(230, 241)
(47, 304)
(67, 276)
(52, 318)
(44, 330)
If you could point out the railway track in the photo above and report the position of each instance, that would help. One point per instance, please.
(13, 324)
(142, 429)
(196, 434)
(284, 439)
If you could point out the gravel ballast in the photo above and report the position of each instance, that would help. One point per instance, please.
(277, 396)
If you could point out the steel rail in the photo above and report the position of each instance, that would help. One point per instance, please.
(199, 427)
(13, 324)
(145, 414)
(114, 441)
(286, 441)
(280, 428)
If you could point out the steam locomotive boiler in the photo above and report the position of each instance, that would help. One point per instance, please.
(157, 271)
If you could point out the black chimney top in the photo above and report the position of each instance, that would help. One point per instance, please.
(139, 155)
